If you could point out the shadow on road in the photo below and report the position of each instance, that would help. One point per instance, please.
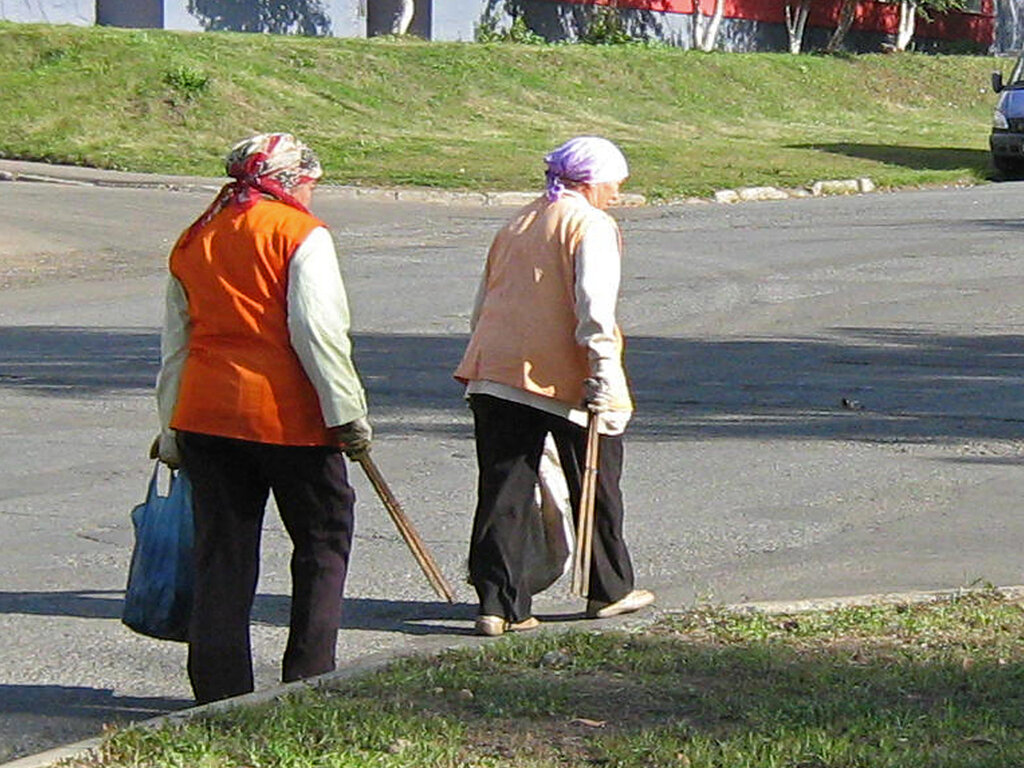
(82, 604)
(99, 705)
(411, 617)
(918, 158)
(38, 717)
(64, 361)
(871, 384)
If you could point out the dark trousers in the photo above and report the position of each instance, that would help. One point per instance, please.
(509, 443)
(231, 481)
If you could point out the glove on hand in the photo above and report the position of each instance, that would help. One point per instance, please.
(597, 394)
(165, 448)
(606, 389)
(353, 438)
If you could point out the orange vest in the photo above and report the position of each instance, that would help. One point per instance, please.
(242, 379)
(525, 336)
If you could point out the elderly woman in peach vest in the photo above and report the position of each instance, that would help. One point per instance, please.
(546, 348)
(257, 393)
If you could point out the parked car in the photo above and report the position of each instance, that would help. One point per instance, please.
(1007, 138)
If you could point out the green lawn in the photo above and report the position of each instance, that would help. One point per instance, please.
(480, 116)
(937, 685)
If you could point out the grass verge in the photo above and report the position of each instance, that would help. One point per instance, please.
(480, 116)
(938, 684)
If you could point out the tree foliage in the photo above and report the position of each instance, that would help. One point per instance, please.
(926, 9)
(305, 17)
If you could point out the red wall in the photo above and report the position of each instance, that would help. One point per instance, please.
(872, 15)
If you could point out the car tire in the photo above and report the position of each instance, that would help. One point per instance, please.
(1008, 167)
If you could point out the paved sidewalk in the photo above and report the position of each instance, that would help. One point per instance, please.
(19, 170)
(26, 171)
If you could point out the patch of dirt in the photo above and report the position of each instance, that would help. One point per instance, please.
(24, 270)
(587, 708)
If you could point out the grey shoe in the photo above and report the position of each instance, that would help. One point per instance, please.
(634, 601)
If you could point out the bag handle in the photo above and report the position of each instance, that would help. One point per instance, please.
(154, 490)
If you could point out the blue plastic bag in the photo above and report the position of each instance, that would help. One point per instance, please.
(158, 598)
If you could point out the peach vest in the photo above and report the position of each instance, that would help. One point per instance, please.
(242, 379)
(525, 335)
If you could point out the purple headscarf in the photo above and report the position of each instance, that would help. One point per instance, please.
(586, 159)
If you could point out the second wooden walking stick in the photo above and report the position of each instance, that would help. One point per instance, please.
(585, 517)
(408, 533)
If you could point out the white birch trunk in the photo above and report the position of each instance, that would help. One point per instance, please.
(705, 31)
(847, 14)
(796, 22)
(908, 22)
(403, 17)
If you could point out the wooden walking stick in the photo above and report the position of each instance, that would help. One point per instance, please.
(408, 533)
(585, 518)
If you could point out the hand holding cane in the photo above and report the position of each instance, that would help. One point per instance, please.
(585, 517)
(408, 533)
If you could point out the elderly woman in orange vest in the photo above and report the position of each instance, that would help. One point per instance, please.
(257, 393)
(546, 348)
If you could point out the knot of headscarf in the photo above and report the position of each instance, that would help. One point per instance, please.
(270, 164)
(584, 159)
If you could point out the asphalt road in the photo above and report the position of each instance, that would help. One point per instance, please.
(747, 477)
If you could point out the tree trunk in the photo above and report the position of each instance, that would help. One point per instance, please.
(705, 32)
(846, 16)
(796, 22)
(711, 31)
(403, 17)
(908, 20)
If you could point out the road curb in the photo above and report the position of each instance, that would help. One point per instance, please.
(81, 749)
(26, 171)
(854, 601)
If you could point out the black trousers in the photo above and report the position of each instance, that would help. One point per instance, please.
(509, 443)
(231, 482)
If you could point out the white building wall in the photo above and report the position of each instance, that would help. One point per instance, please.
(336, 18)
(455, 19)
(176, 16)
(339, 18)
(49, 11)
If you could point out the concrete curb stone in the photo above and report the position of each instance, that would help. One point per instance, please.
(817, 189)
(52, 758)
(853, 601)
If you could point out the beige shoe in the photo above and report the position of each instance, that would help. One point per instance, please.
(491, 626)
(494, 626)
(526, 624)
(634, 601)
